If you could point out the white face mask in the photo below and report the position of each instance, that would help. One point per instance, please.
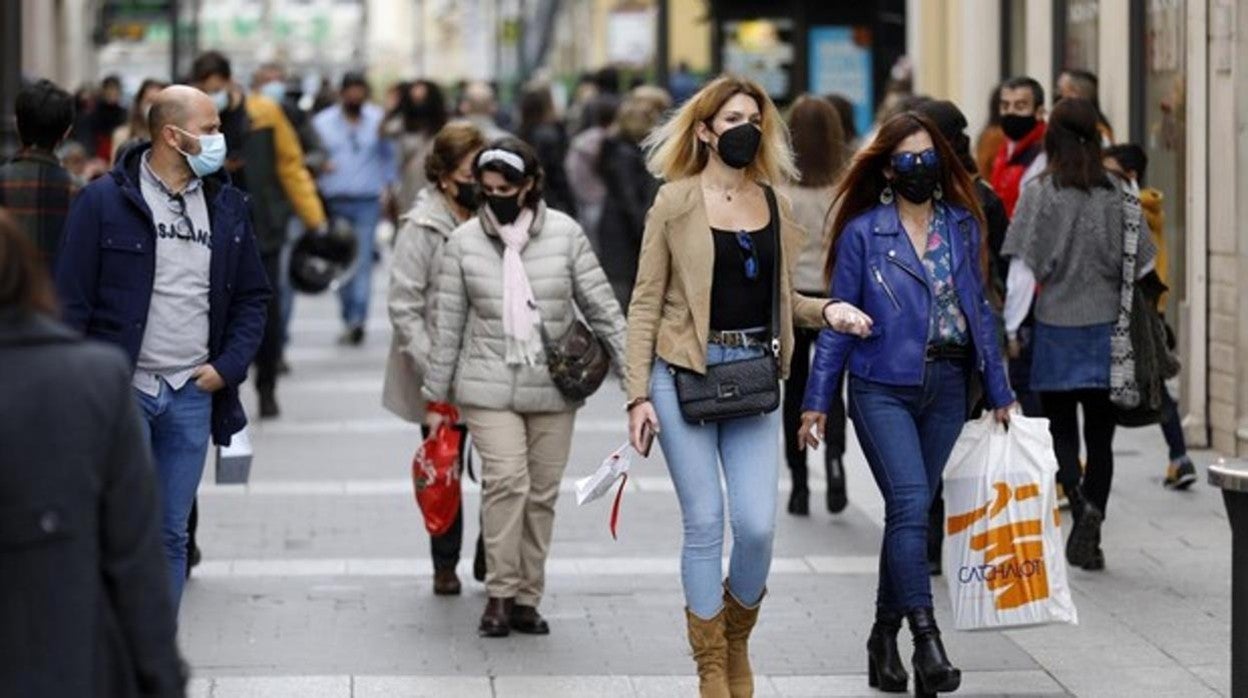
(211, 155)
(221, 98)
(274, 90)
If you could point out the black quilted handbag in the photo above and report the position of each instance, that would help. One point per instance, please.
(743, 388)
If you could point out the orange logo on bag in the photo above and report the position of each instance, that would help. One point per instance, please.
(1013, 552)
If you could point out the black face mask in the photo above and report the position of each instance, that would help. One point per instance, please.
(352, 108)
(739, 144)
(467, 194)
(505, 208)
(1017, 127)
(917, 185)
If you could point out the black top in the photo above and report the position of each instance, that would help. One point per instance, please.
(738, 302)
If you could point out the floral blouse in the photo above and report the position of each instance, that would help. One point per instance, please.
(947, 324)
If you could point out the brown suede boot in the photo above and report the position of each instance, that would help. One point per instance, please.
(739, 621)
(710, 651)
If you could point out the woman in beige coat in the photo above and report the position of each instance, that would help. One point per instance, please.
(443, 205)
(704, 296)
(514, 270)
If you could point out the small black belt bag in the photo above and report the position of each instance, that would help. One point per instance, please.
(744, 388)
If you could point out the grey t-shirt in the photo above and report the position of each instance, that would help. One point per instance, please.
(175, 341)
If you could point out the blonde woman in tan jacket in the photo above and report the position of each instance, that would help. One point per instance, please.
(703, 296)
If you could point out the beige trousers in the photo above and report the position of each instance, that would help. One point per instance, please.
(523, 458)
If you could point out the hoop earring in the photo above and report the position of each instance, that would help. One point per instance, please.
(886, 196)
(938, 193)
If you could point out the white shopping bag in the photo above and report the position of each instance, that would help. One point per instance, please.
(1003, 554)
(614, 468)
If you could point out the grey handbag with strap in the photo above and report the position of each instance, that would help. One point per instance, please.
(744, 388)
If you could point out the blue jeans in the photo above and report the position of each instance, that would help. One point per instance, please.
(286, 292)
(364, 213)
(749, 451)
(178, 425)
(907, 434)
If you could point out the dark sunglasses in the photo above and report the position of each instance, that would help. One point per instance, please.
(749, 256)
(906, 162)
(177, 204)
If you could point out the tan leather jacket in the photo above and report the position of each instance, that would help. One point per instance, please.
(670, 313)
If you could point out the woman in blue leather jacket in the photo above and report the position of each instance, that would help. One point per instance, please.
(906, 251)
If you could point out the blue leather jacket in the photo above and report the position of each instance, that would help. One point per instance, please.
(878, 271)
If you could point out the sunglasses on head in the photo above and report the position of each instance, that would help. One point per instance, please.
(749, 256)
(905, 162)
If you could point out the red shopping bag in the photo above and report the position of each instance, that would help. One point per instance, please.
(435, 472)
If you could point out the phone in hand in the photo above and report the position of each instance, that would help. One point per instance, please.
(647, 439)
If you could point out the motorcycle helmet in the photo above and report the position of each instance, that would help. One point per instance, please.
(323, 259)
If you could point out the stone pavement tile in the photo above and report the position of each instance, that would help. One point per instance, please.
(1155, 682)
(563, 686)
(831, 686)
(282, 687)
(672, 686)
(1009, 683)
(974, 683)
(199, 688)
(421, 687)
(1216, 676)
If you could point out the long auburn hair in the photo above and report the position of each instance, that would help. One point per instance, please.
(675, 151)
(860, 187)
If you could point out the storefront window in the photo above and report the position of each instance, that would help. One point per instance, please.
(762, 50)
(1082, 27)
(1165, 114)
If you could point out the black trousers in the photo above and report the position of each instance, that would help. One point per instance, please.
(794, 391)
(445, 548)
(1062, 409)
(270, 353)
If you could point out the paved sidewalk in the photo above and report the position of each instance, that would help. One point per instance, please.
(316, 578)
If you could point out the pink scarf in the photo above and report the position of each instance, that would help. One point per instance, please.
(520, 316)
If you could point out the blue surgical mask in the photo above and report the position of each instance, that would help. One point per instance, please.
(211, 155)
(221, 98)
(274, 90)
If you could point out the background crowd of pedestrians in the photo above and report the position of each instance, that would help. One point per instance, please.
(677, 226)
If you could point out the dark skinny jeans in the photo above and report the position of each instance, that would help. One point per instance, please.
(907, 434)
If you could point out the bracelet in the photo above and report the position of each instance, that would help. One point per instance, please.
(628, 406)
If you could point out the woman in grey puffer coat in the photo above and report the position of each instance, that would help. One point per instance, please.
(515, 265)
(450, 199)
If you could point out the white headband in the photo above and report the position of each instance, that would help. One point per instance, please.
(507, 158)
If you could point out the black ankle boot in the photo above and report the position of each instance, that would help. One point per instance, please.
(799, 501)
(932, 671)
(836, 497)
(1085, 534)
(885, 669)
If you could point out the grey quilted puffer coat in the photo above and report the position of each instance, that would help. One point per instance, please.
(412, 301)
(469, 348)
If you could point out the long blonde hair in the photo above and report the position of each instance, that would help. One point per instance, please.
(674, 151)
